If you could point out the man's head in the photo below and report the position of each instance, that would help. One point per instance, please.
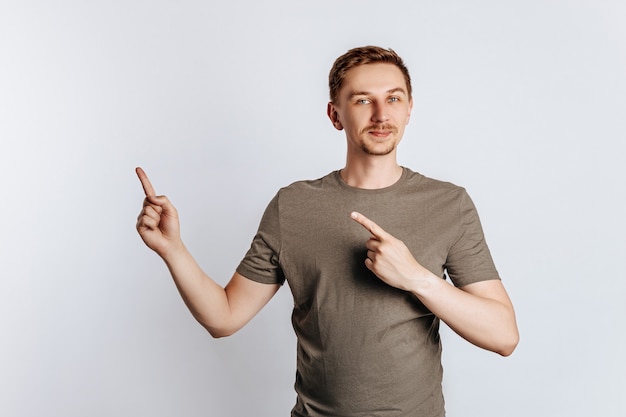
(363, 56)
(370, 100)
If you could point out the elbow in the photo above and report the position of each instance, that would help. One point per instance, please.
(506, 351)
(223, 328)
(508, 346)
(509, 339)
(219, 332)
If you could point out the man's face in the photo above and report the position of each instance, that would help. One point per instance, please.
(373, 107)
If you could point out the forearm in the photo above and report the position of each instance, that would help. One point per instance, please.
(207, 301)
(487, 322)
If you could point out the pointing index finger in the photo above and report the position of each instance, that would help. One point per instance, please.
(371, 227)
(148, 189)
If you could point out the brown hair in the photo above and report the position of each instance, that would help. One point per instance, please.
(362, 56)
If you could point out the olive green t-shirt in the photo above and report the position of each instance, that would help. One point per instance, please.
(364, 347)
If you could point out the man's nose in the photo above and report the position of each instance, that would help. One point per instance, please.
(379, 112)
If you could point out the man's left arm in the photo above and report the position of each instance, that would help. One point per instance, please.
(481, 313)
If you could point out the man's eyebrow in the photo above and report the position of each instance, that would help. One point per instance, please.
(396, 90)
(367, 93)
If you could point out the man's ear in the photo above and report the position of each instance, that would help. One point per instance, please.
(331, 111)
(408, 117)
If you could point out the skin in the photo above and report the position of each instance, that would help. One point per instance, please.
(373, 109)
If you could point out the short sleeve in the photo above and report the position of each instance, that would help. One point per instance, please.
(469, 259)
(261, 263)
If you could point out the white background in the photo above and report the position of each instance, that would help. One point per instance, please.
(521, 102)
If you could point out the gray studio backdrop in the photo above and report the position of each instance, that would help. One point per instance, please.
(521, 102)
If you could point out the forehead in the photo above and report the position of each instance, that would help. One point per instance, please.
(373, 78)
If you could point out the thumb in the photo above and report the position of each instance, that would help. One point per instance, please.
(163, 202)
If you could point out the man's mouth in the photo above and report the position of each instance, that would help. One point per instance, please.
(380, 131)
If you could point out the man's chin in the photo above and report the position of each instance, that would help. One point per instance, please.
(377, 150)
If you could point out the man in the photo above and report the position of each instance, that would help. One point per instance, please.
(368, 294)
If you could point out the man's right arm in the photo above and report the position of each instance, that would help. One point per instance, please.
(222, 311)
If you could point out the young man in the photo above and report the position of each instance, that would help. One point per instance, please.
(365, 251)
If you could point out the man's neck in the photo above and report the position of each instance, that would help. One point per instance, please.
(372, 174)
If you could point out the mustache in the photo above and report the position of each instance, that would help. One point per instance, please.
(380, 126)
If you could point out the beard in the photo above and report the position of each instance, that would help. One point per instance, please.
(377, 148)
(371, 149)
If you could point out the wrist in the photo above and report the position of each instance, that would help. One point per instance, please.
(173, 251)
(423, 283)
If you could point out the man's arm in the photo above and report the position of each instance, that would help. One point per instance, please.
(481, 313)
(222, 311)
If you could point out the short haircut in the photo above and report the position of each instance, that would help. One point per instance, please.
(362, 56)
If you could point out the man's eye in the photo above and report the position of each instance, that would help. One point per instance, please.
(362, 101)
(394, 99)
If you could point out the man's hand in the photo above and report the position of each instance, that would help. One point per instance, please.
(157, 223)
(389, 258)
